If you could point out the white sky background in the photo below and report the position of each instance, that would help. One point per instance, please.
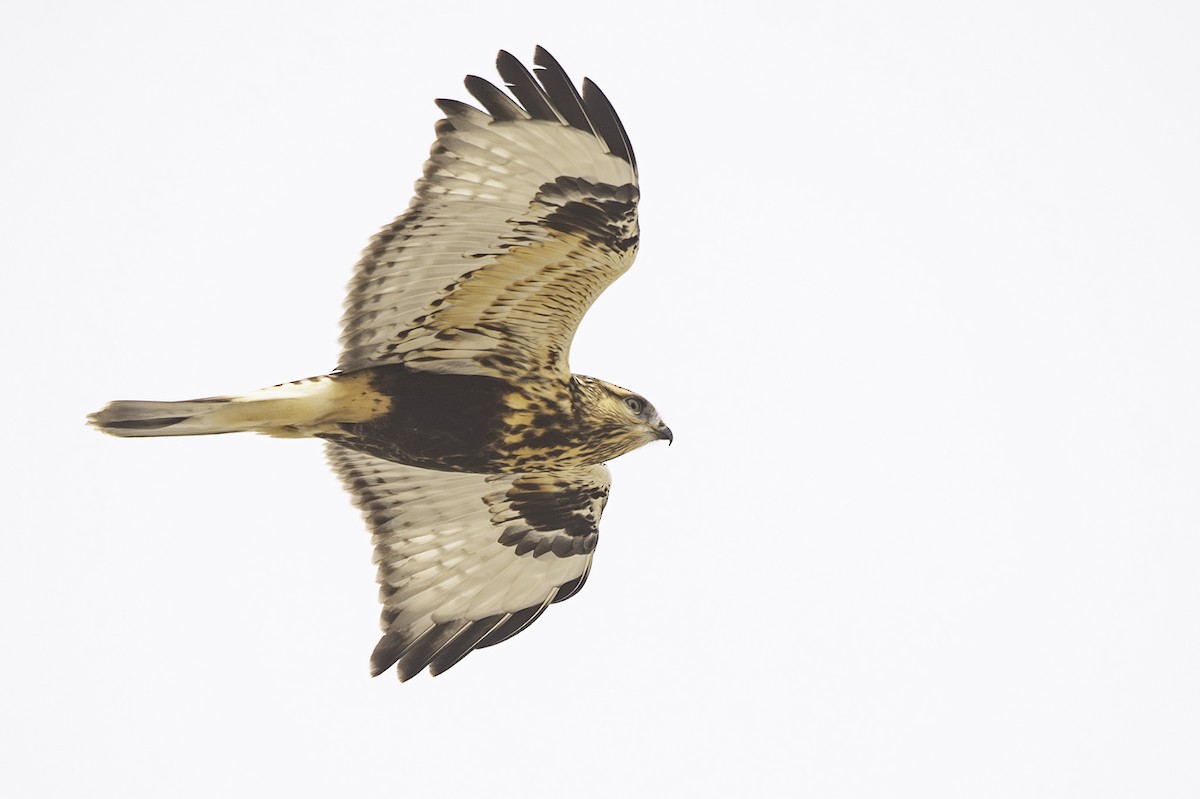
(918, 293)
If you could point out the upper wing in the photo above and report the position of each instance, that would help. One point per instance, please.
(525, 214)
(469, 560)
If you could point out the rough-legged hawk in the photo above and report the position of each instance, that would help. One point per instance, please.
(453, 419)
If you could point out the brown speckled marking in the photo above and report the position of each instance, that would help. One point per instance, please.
(476, 423)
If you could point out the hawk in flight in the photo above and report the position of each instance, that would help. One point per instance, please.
(453, 418)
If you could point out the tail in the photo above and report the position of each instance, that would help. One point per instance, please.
(131, 418)
(290, 410)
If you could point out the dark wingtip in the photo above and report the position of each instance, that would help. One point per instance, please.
(386, 653)
(453, 107)
(598, 115)
(463, 643)
(525, 88)
(495, 101)
(505, 59)
(608, 122)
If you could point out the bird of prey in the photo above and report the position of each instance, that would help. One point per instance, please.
(453, 418)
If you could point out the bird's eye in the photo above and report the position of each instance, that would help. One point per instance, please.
(634, 404)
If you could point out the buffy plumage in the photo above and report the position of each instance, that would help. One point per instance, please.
(453, 419)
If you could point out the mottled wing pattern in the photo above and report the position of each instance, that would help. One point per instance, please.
(469, 560)
(524, 215)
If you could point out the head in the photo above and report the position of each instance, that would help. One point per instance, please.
(623, 419)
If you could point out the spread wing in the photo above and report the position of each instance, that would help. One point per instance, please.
(469, 560)
(524, 215)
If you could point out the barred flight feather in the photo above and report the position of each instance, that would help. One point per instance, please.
(491, 185)
(445, 562)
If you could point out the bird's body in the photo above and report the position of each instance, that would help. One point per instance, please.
(453, 419)
(431, 420)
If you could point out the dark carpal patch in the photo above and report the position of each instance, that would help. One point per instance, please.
(604, 213)
(554, 516)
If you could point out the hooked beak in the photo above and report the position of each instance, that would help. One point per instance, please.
(664, 433)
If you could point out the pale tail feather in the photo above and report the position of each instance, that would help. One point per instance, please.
(288, 410)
